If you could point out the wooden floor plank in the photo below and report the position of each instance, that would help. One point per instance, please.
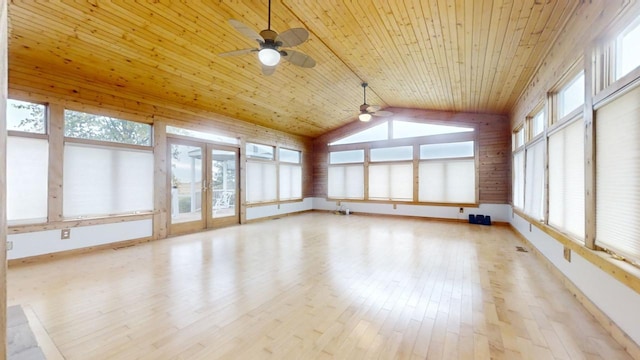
(311, 286)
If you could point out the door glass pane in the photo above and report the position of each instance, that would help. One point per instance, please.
(223, 180)
(186, 183)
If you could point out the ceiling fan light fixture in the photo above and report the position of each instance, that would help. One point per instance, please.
(364, 117)
(269, 57)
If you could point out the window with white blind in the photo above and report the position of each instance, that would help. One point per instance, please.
(534, 180)
(518, 179)
(447, 181)
(617, 175)
(261, 181)
(447, 173)
(105, 180)
(290, 176)
(346, 182)
(391, 182)
(27, 176)
(566, 179)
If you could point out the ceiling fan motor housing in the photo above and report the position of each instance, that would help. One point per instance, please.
(269, 34)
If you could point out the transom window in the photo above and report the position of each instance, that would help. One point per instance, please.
(201, 135)
(627, 50)
(26, 116)
(104, 128)
(571, 96)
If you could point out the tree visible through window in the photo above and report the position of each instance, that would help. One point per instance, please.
(96, 127)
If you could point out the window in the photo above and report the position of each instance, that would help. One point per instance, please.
(617, 175)
(257, 151)
(378, 132)
(100, 179)
(261, 181)
(103, 128)
(518, 138)
(105, 180)
(290, 174)
(27, 179)
(27, 164)
(518, 179)
(345, 157)
(392, 153)
(201, 135)
(447, 173)
(26, 117)
(391, 181)
(534, 180)
(627, 50)
(407, 129)
(270, 180)
(439, 165)
(346, 182)
(566, 179)
(537, 124)
(571, 96)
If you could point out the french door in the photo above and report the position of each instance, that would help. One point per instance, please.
(204, 186)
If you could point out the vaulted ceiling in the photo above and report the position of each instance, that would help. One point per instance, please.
(462, 55)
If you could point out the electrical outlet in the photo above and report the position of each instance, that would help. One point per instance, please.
(461, 210)
(65, 234)
(9, 245)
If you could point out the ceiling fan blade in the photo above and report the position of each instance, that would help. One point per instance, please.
(299, 59)
(237, 52)
(246, 31)
(268, 70)
(373, 108)
(382, 113)
(293, 37)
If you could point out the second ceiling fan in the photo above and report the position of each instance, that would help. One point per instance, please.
(270, 46)
(366, 110)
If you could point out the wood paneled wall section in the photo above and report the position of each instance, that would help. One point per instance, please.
(3, 182)
(494, 155)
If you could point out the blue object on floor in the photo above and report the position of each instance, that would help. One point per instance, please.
(487, 220)
(479, 219)
(472, 219)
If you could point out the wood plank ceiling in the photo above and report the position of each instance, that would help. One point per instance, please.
(463, 55)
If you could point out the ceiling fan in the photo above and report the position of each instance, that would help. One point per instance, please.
(270, 44)
(366, 110)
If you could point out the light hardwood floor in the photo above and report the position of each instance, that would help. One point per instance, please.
(315, 285)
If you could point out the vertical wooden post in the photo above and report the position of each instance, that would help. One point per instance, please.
(56, 157)
(3, 181)
(161, 188)
(242, 184)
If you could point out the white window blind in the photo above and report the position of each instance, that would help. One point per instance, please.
(518, 179)
(566, 179)
(27, 174)
(534, 181)
(346, 182)
(290, 182)
(391, 182)
(618, 175)
(261, 181)
(447, 181)
(102, 180)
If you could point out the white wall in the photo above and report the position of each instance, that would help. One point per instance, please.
(258, 212)
(498, 212)
(616, 300)
(47, 242)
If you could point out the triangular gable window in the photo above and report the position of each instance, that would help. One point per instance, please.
(407, 129)
(375, 133)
